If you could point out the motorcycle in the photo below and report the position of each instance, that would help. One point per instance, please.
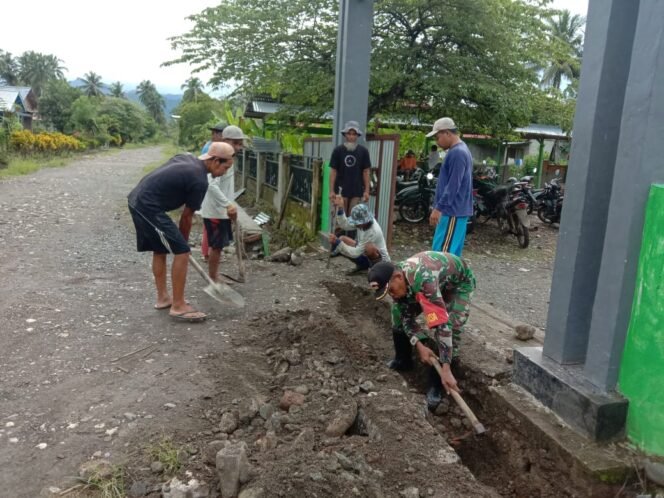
(532, 195)
(403, 184)
(415, 201)
(550, 204)
(507, 204)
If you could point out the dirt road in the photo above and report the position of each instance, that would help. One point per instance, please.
(90, 370)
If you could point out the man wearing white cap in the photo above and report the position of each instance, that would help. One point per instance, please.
(453, 204)
(350, 166)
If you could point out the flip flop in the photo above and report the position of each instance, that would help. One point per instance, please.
(164, 307)
(186, 316)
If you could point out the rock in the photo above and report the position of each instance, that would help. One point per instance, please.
(252, 493)
(228, 423)
(210, 453)
(456, 423)
(654, 471)
(524, 332)
(248, 411)
(305, 440)
(296, 258)
(345, 462)
(267, 442)
(410, 492)
(342, 420)
(138, 488)
(129, 416)
(316, 476)
(282, 366)
(292, 356)
(169, 405)
(266, 410)
(232, 469)
(274, 423)
(157, 467)
(99, 469)
(178, 489)
(303, 389)
(281, 256)
(443, 407)
(367, 386)
(289, 399)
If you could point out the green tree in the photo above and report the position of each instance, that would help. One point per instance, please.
(36, 69)
(55, 104)
(124, 119)
(566, 35)
(84, 114)
(193, 88)
(474, 60)
(152, 100)
(92, 85)
(8, 68)
(117, 90)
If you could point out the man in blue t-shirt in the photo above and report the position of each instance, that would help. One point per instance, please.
(453, 204)
(182, 181)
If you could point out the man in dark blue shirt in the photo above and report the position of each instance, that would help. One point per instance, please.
(181, 181)
(453, 204)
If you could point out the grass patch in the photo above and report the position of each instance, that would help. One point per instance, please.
(24, 166)
(107, 485)
(168, 454)
(168, 151)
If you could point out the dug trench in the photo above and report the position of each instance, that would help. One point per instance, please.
(320, 414)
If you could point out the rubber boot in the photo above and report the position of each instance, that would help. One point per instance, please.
(403, 359)
(434, 390)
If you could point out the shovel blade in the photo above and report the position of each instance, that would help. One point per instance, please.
(224, 294)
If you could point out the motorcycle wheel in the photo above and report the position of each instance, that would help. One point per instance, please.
(413, 213)
(541, 214)
(521, 232)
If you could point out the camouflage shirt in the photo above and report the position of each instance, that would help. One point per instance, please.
(431, 273)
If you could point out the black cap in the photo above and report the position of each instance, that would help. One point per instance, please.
(379, 277)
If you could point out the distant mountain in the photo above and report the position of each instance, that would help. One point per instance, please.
(171, 100)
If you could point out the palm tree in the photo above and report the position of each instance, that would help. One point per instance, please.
(8, 68)
(566, 33)
(193, 87)
(36, 69)
(92, 85)
(152, 100)
(117, 90)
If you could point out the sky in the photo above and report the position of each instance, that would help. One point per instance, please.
(124, 40)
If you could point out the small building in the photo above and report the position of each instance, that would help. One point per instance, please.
(20, 100)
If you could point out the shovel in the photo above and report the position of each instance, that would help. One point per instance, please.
(477, 425)
(239, 247)
(217, 291)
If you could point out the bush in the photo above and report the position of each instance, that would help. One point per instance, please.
(26, 142)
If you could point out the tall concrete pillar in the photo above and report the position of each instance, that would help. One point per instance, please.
(351, 88)
(616, 156)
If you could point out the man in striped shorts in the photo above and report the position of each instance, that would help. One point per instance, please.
(453, 204)
(424, 280)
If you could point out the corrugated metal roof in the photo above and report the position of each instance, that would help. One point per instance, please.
(262, 145)
(8, 98)
(542, 130)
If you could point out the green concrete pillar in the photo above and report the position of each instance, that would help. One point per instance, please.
(642, 369)
(540, 161)
(325, 199)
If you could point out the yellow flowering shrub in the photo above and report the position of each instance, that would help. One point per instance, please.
(24, 141)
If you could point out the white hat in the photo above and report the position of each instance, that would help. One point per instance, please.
(442, 124)
(352, 125)
(233, 132)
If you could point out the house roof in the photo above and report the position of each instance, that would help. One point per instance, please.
(12, 95)
(542, 131)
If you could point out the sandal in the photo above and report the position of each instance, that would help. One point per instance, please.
(189, 316)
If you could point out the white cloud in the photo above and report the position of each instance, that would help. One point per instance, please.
(574, 6)
(121, 40)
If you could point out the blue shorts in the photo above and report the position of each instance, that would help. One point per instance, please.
(450, 234)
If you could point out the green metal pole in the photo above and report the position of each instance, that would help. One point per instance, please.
(540, 161)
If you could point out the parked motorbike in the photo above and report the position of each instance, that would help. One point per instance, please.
(507, 204)
(415, 201)
(532, 195)
(550, 204)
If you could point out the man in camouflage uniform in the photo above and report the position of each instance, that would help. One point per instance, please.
(436, 275)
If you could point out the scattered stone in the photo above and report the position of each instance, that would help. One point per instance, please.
(302, 389)
(157, 467)
(130, 416)
(267, 442)
(456, 423)
(9, 424)
(252, 493)
(138, 488)
(210, 453)
(248, 411)
(292, 356)
(282, 366)
(654, 471)
(13, 440)
(410, 492)
(281, 256)
(41, 446)
(169, 405)
(266, 410)
(101, 469)
(305, 440)
(345, 462)
(289, 399)
(342, 420)
(228, 423)
(297, 258)
(274, 423)
(232, 469)
(443, 407)
(367, 386)
(316, 476)
(524, 332)
(179, 489)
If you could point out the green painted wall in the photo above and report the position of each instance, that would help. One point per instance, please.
(325, 200)
(642, 367)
